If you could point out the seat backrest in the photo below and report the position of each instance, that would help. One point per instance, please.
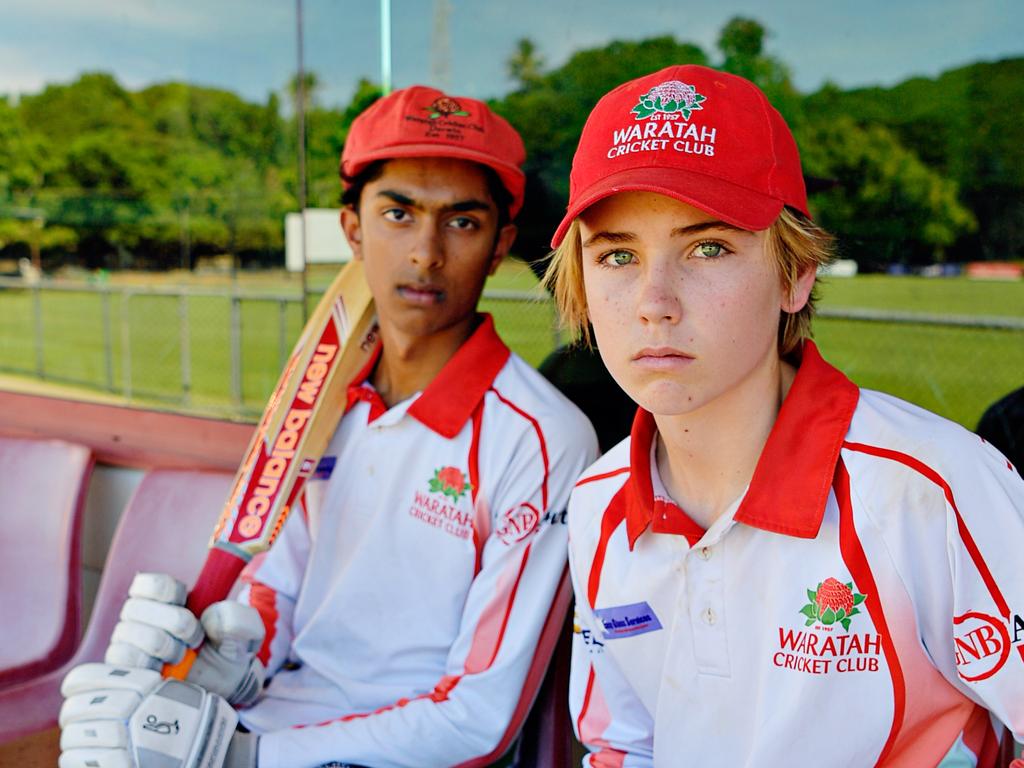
(164, 528)
(42, 493)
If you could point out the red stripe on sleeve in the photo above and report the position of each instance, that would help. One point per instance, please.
(480, 532)
(612, 519)
(540, 438)
(965, 535)
(857, 562)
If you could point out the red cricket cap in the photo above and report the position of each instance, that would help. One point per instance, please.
(424, 122)
(705, 137)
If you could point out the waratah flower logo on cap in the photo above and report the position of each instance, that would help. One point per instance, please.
(445, 106)
(671, 96)
(832, 602)
(449, 481)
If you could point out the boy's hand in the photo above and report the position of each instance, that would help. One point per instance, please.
(155, 628)
(116, 717)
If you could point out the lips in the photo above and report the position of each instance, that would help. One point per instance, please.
(662, 358)
(424, 295)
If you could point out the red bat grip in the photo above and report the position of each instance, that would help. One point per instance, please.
(220, 571)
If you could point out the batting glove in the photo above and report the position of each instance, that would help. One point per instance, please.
(118, 717)
(155, 628)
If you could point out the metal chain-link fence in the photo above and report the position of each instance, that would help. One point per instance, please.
(217, 351)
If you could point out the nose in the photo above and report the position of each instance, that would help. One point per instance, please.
(658, 301)
(428, 249)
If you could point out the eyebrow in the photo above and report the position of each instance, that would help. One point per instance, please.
(692, 229)
(462, 206)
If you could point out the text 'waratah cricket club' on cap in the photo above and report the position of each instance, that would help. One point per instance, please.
(424, 122)
(704, 137)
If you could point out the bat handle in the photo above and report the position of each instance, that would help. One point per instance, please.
(220, 571)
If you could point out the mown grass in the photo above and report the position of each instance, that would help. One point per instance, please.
(955, 372)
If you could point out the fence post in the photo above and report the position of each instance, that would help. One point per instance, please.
(126, 344)
(236, 350)
(108, 339)
(37, 311)
(282, 333)
(186, 353)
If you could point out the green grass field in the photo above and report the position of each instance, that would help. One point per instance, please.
(956, 372)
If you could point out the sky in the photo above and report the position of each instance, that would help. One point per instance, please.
(249, 46)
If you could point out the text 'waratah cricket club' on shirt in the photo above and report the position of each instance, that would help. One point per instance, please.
(666, 108)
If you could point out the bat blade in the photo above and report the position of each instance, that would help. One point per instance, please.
(297, 424)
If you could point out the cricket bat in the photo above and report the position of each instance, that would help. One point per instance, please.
(299, 420)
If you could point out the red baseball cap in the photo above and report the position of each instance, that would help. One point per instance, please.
(424, 122)
(705, 137)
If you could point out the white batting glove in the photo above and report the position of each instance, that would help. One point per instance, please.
(156, 628)
(117, 717)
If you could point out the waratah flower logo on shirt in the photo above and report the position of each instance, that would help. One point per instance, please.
(832, 602)
(449, 481)
(671, 96)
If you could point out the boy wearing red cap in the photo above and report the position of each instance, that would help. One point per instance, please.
(776, 567)
(397, 614)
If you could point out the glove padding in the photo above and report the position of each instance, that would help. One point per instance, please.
(156, 628)
(117, 717)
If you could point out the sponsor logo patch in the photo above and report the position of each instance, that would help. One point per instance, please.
(518, 523)
(627, 620)
(981, 645)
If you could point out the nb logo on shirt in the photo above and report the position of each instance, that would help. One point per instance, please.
(981, 644)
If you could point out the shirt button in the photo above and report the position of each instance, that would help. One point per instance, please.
(709, 617)
(705, 553)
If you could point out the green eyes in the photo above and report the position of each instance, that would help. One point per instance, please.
(709, 250)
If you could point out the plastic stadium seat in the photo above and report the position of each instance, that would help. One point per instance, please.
(43, 485)
(165, 527)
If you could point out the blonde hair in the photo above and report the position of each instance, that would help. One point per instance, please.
(794, 242)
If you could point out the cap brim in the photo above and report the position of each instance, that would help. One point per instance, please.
(729, 202)
(511, 175)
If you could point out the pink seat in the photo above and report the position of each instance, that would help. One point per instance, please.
(42, 487)
(165, 527)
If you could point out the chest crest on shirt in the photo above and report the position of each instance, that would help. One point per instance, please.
(439, 505)
(819, 648)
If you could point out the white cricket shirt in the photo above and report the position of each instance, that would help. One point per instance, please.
(403, 606)
(860, 605)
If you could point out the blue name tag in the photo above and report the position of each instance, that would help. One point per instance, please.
(325, 468)
(627, 620)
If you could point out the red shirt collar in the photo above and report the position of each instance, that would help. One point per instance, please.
(792, 478)
(450, 399)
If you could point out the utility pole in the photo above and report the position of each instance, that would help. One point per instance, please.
(440, 58)
(300, 121)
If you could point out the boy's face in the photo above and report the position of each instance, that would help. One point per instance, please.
(427, 232)
(685, 308)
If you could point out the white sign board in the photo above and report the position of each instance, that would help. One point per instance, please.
(324, 241)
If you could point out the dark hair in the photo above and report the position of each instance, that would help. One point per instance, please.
(354, 189)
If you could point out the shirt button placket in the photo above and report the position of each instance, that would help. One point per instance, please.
(706, 570)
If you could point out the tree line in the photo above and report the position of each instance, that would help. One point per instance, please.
(94, 174)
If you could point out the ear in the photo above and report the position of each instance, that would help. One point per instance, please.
(502, 245)
(353, 231)
(800, 291)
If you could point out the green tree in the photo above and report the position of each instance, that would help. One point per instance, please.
(525, 66)
(886, 204)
